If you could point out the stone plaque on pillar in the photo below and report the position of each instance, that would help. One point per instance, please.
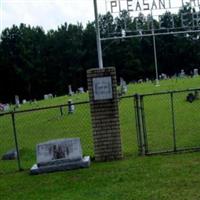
(102, 86)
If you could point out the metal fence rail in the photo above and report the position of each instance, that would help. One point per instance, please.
(168, 121)
(22, 130)
(150, 124)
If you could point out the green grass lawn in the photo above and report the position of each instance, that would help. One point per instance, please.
(152, 178)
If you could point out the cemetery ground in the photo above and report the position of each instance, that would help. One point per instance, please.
(135, 177)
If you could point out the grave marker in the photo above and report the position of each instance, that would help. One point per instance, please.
(17, 102)
(71, 107)
(196, 72)
(59, 155)
(70, 90)
(123, 86)
(24, 101)
(81, 90)
(182, 74)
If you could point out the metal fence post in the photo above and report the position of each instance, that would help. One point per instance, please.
(144, 125)
(138, 126)
(16, 142)
(61, 111)
(173, 121)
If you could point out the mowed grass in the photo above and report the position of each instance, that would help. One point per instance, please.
(157, 177)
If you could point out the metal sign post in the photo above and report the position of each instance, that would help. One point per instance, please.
(187, 25)
(99, 49)
(155, 58)
(155, 52)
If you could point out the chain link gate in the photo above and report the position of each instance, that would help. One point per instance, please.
(167, 122)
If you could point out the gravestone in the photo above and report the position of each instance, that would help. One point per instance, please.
(123, 86)
(81, 90)
(190, 97)
(182, 74)
(70, 90)
(46, 96)
(50, 96)
(59, 155)
(10, 155)
(4, 107)
(140, 81)
(71, 107)
(17, 102)
(196, 72)
(1, 107)
(163, 76)
(24, 101)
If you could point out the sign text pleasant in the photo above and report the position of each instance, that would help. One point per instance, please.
(117, 6)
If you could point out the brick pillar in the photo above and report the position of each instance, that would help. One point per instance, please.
(102, 86)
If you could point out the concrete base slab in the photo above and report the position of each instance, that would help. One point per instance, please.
(84, 163)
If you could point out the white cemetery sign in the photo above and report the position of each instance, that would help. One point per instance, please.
(152, 11)
(102, 88)
(149, 21)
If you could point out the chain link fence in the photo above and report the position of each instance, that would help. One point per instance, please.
(31, 127)
(151, 124)
(7, 142)
(27, 128)
(168, 121)
(127, 126)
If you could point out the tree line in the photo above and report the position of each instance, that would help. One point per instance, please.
(34, 62)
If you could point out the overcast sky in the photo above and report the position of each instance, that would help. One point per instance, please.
(49, 13)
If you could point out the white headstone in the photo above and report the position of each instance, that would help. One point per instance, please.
(140, 81)
(182, 74)
(6, 107)
(24, 101)
(46, 96)
(71, 106)
(17, 102)
(70, 90)
(1, 107)
(68, 149)
(123, 86)
(59, 155)
(81, 90)
(50, 96)
(163, 76)
(196, 72)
